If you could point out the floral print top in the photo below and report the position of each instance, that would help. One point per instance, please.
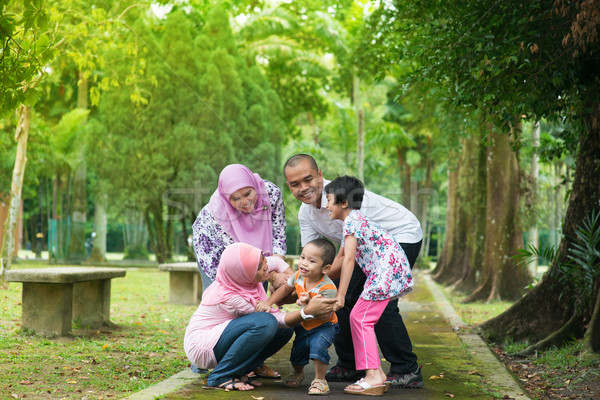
(380, 257)
(209, 238)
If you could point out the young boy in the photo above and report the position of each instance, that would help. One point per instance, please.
(313, 336)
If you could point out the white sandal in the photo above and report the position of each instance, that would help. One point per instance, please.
(366, 389)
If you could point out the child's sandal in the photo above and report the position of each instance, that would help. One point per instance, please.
(293, 380)
(319, 387)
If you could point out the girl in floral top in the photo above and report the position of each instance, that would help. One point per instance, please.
(245, 208)
(388, 277)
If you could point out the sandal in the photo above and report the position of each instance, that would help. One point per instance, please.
(233, 384)
(264, 372)
(293, 380)
(365, 389)
(251, 381)
(319, 387)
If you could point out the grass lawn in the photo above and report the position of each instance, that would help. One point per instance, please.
(144, 349)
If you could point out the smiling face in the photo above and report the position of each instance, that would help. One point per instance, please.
(310, 264)
(244, 199)
(305, 182)
(262, 273)
(336, 211)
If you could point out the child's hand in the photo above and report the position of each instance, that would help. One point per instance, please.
(262, 306)
(339, 303)
(303, 299)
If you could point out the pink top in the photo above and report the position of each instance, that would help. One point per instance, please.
(209, 321)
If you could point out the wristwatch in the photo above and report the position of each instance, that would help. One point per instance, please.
(306, 317)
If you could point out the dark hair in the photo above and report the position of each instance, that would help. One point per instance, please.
(327, 249)
(295, 160)
(347, 188)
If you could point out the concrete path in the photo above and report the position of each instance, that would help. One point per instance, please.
(455, 364)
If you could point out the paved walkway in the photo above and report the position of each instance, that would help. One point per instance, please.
(455, 364)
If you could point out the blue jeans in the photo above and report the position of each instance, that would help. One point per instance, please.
(313, 344)
(245, 344)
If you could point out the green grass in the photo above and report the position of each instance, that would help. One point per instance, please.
(144, 349)
(475, 313)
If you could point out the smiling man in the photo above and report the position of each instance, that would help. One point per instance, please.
(306, 182)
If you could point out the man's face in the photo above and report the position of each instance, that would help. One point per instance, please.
(305, 182)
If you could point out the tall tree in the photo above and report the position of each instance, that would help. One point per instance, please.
(26, 49)
(502, 57)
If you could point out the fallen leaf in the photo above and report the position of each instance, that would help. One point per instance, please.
(436, 377)
(450, 395)
(105, 346)
(72, 382)
(257, 398)
(26, 383)
(16, 396)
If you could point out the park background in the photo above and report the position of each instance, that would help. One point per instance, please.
(482, 118)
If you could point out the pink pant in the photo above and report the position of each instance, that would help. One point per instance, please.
(363, 317)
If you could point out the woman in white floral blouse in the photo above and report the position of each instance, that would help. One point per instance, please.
(244, 208)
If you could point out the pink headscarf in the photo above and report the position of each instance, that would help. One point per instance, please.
(235, 276)
(254, 228)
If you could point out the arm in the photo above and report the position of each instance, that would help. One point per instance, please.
(209, 241)
(336, 266)
(347, 268)
(307, 230)
(318, 306)
(277, 220)
(275, 298)
(280, 271)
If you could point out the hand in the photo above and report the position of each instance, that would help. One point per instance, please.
(339, 303)
(303, 299)
(277, 279)
(320, 307)
(262, 306)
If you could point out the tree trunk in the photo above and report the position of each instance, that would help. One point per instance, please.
(541, 311)
(156, 232)
(447, 251)
(360, 128)
(502, 278)
(534, 173)
(476, 232)
(77, 252)
(457, 263)
(99, 247)
(12, 219)
(591, 338)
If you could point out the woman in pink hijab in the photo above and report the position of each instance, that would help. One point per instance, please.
(244, 208)
(225, 332)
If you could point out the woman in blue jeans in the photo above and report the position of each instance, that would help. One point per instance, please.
(225, 332)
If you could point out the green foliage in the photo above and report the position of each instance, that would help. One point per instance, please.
(583, 268)
(27, 46)
(136, 252)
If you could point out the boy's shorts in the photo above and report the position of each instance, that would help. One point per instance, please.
(313, 344)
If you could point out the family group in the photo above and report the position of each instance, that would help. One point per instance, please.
(346, 297)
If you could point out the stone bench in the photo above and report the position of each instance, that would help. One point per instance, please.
(185, 285)
(55, 297)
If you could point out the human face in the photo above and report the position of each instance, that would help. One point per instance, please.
(310, 264)
(336, 211)
(262, 273)
(244, 199)
(305, 182)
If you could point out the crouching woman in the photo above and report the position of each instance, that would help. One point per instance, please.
(225, 332)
